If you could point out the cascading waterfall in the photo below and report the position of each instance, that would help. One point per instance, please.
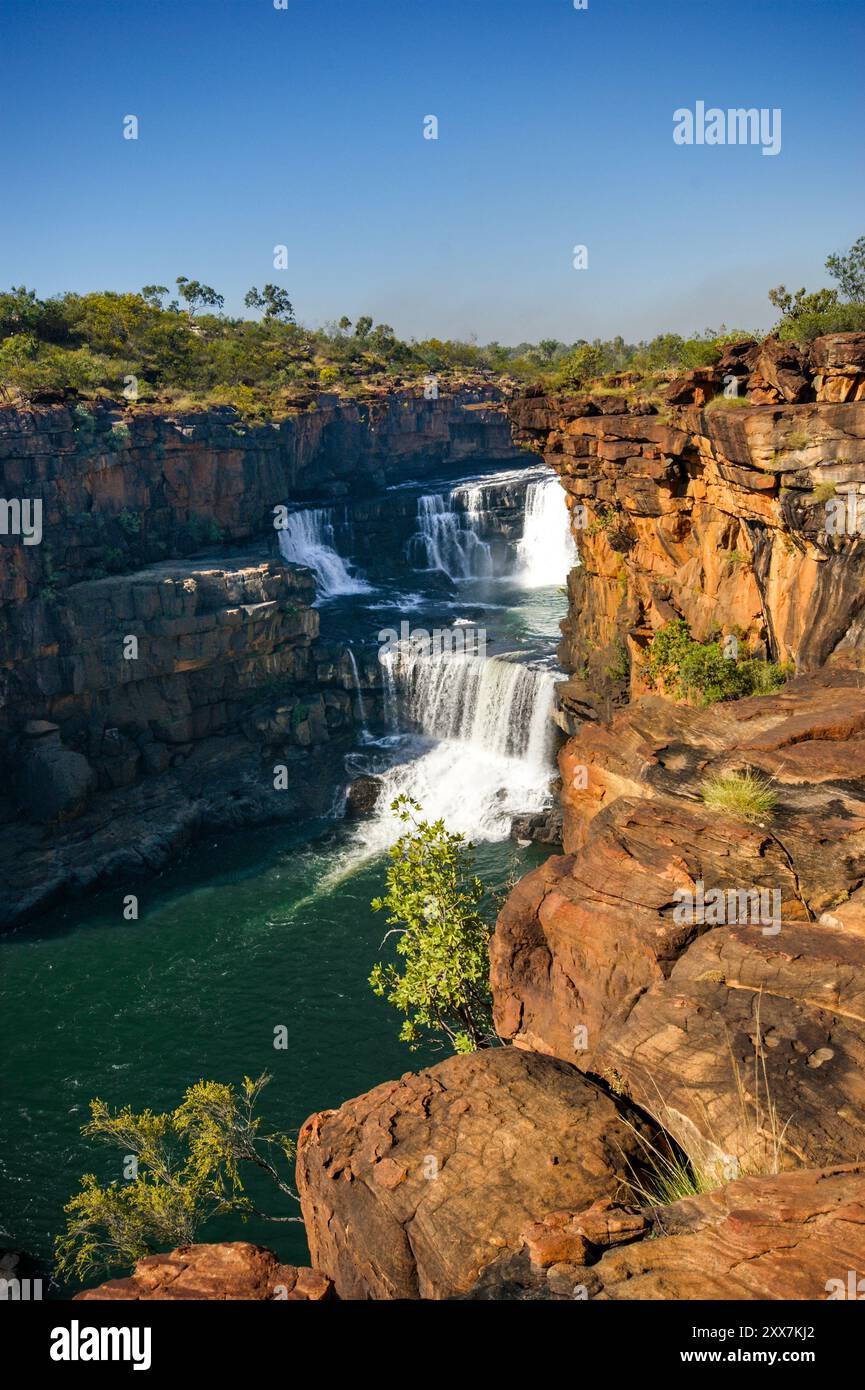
(547, 551)
(308, 539)
(447, 539)
(493, 756)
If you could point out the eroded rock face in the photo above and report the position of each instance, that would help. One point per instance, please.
(789, 1236)
(410, 1190)
(742, 1031)
(230, 1271)
(727, 517)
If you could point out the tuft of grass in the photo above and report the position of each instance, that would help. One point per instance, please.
(743, 794)
(723, 402)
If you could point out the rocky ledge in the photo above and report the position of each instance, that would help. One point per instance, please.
(148, 706)
(231, 1271)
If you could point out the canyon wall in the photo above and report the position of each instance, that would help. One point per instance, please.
(158, 659)
(716, 515)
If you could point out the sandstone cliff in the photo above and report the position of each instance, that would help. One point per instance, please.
(716, 515)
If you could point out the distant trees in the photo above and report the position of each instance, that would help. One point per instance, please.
(849, 271)
(806, 316)
(197, 295)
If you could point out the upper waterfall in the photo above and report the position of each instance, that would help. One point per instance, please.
(308, 539)
(547, 551)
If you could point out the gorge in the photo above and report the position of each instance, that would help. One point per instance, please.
(259, 647)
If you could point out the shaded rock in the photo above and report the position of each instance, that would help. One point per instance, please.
(362, 796)
(543, 827)
(54, 781)
(233, 1270)
(410, 1190)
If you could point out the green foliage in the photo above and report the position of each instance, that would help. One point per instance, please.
(700, 673)
(187, 1169)
(794, 306)
(805, 317)
(849, 271)
(840, 318)
(743, 794)
(433, 899)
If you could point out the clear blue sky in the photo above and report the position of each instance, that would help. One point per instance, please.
(304, 127)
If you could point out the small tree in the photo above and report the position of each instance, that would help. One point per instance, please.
(185, 1168)
(433, 897)
(273, 301)
(793, 306)
(197, 295)
(849, 271)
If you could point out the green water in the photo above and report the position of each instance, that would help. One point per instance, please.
(239, 939)
(258, 931)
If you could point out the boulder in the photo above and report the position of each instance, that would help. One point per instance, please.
(55, 781)
(233, 1270)
(362, 796)
(410, 1190)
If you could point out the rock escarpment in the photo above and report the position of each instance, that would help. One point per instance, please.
(742, 1032)
(728, 517)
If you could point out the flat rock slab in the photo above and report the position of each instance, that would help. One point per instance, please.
(789, 1236)
(232, 1270)
(410, 1190)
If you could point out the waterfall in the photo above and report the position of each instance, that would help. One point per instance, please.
(495, 704)
(447, 539)
(308, 539)
(361, 708)
(547, 551)
(492, 758)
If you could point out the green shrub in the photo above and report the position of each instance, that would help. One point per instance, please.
(433, 899)
(700, 673)
(839, 318)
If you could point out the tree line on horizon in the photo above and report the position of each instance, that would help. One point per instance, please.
(182, 348)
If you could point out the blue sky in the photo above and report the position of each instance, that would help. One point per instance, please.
(304, 127)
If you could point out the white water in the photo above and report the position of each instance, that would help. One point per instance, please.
(547, 551)
(307, 539)
(493, 757)
(447, 539)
